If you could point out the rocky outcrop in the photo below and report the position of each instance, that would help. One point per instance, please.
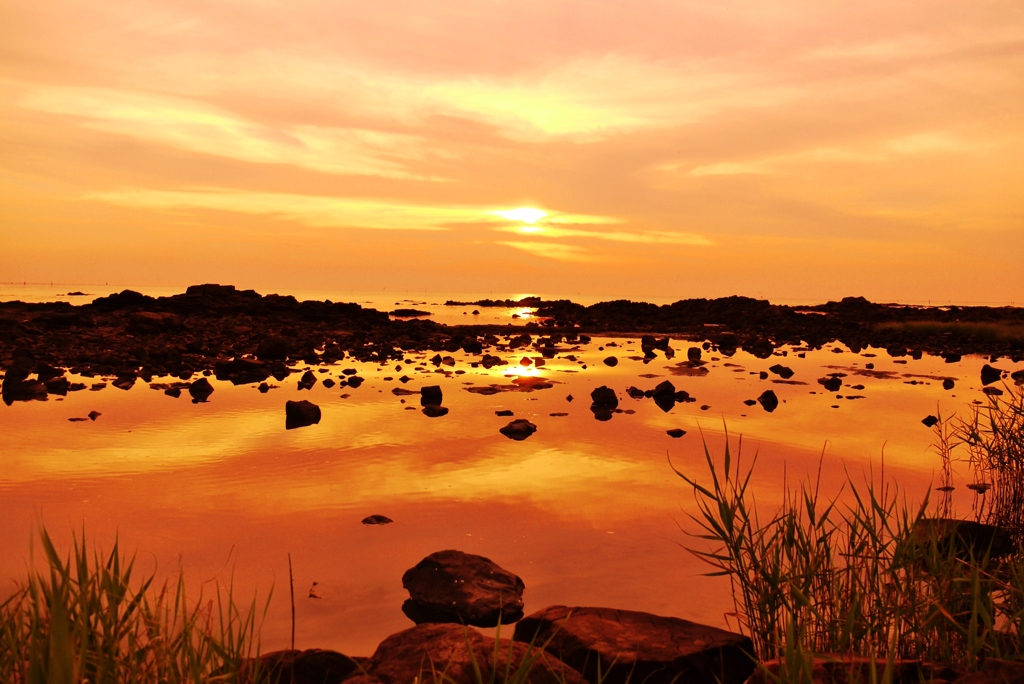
(639, 647)
(463, 588)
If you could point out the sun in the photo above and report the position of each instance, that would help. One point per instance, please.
(524, 214)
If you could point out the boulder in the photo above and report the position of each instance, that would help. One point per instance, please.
(768, 401)
(604, 397)
(462, 588)
(611, 361)
(966, 537)
(693, 354)
(639, 647)
(200, 390)
(431, 396)
(990, 374)
(783, 372)
(312, 666)
(519, 429)
(664, 395)
(300, 414)
(454, 654)
(831, 383)
(948, 384)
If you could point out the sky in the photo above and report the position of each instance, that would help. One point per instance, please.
(791, 150)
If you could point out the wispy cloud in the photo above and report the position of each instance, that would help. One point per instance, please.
(639, 237)
(554, 250)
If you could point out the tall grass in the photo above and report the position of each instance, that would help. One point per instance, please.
(860, 574)
(89, 617)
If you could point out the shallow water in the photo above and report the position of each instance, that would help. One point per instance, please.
(586, 512)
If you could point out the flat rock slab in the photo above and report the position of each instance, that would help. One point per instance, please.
(462, 588)
(639, 647)
(424, 652)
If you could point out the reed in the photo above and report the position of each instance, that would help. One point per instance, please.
(862, 573)
(90, 617)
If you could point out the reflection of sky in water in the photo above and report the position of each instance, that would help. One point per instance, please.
(584, 510)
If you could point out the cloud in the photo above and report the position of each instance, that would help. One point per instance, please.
(196, 126)
(553, 250)
(640, 237)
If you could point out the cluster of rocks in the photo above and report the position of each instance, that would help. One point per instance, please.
(450, 592)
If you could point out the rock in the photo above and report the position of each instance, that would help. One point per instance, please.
(377, 520)
(462, 588)
(783, 372)
(693, 354)
(768, 401)
(1018, 377)
(431, 411)
(948, 384)
(750, 402)
(126, 382)
(675, 433)
(313, 666)
(832, 383)
(93, 415)
(929, 421)
(611, 361)
(272, 349)
(951, 357)
(763, 375)
(990, 374)
(242, 371)
(173, 392)
(504, 413)
(604, 397)
(409, 313)
(307, 380)
(519, 429)
(640, 647)
(966, 537)
(431, 396)
(200, 390)
(300, 414)
(423, 653)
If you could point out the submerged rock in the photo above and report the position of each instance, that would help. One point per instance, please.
(639, 647)
(377, 520)
(300, 414)
(990, 374)
(519, 429)
(463, 588)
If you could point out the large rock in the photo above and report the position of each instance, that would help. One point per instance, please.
(424, 652)
(431, 395)
(639, 647)
(300, 414)
(966, 537)
(312, 666)
(452, 586)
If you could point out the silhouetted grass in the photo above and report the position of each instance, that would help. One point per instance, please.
(861, 574)
(88, 617)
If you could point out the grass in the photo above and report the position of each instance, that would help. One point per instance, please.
(89, 617)
(858, 575)
(980, 330)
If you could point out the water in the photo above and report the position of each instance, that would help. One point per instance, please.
(586, 512)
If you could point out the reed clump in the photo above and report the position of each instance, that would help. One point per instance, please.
(862, 574)
(90, 617)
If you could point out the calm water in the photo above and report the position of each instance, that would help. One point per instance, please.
(586, 512)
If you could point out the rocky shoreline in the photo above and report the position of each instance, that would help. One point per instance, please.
(244, 337)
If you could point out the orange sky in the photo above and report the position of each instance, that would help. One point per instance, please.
(790, 150)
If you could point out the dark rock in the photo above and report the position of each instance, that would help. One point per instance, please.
(604, 397)
(58, 385)
(990, 374)
(519, 429)
(769, 402)
(504, 413)
(126, 382)
(782, 371)
(693, 354)
(611, 361)
(263, 388)
(462, 654)
(431, 411)
(313, 666)
(409, 313)
(635, 392)
(675, 433)
(750, 402)
(664, 395)
(173, 392)
(93, 415)
(929, 421)
(1018, 377)
(354, 381)
(462, 588)
(966, 537)
(242, 371)
(200, 390)
(307, 380)
(272, 349)
(377, 520)
(329, 383)
(951, 357)
(300, 414)
(639, 647)
(832, 384)
(431, 396)
(763, 375)
(948, 384)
